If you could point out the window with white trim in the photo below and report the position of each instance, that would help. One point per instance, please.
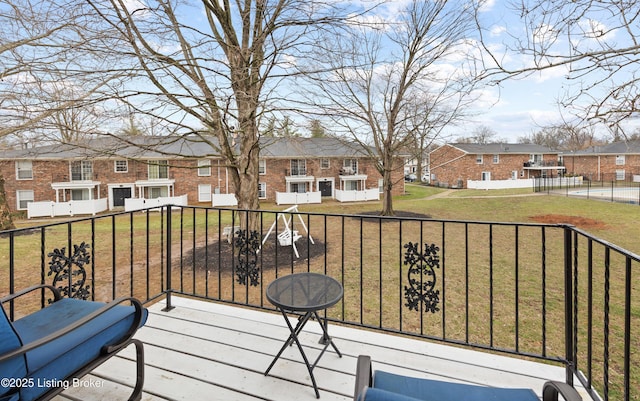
(204, 168)
(351, 185)
(535, 158)
(24, 197)
(121, 166)
(81, 170)
(158, 192)
(350, 166)
(298, 187)
(262, 167)
(298, 167)
(486, 176)
(79, 194)
(496, 159)
(620, 160)
(479, 159)
(158, 169)
(620, 175)
(262, 190)
(324, 164)
(204, 193)
(24, 170)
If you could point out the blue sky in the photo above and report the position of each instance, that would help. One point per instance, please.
(519, 107)
(522, 106)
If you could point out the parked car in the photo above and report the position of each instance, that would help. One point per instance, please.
(410, 177)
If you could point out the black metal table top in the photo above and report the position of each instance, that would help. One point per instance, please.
(304, 292)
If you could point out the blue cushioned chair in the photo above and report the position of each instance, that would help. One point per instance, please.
(41, 352)
(384, 386)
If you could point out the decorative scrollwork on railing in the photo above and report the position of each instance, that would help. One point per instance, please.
(247, 271)
(69, 274)
(422, 277)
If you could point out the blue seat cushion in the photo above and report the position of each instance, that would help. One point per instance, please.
(59, 358)
(12, 397)
(376, 394)
(9, 341)
(435, 390)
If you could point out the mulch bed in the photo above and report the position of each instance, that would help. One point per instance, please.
(271, 255)
(578, 221)
(398, 213)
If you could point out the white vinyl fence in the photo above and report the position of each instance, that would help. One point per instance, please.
(354, 196)
(218, 200)
(70, 208)
(295, 198)
(131, 204)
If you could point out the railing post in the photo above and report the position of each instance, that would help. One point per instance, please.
(168, 289)
(568, 303)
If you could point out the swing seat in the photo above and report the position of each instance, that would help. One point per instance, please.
(287, 237)
(230, 232)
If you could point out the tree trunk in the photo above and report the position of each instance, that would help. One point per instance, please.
(6, 221)
(246, 174)
(387, 200)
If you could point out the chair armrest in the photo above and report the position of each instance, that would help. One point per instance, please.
(363, 375)
(80, 322)
(551, 389)
(56, 292)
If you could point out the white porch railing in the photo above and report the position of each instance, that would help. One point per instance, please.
(70, 208)
(143, 203)
(295, 198)
(218, 200)
(355, 196)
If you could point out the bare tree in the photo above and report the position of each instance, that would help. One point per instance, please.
(594, 44)
(482, 134)
(376, 71)
(212, 69)
(30, 38)
(563, 137)
(44, 83)
(429, 116)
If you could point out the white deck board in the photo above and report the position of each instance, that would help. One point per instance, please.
(207, 351)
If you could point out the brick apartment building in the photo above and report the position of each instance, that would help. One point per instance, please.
(616, 161)
(452, 165)
(104, 168)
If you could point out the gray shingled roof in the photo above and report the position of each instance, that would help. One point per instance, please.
(498, 148)
(151, 147)
(309, 147)
(616, 148)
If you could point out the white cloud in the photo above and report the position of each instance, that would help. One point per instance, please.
(497, 30)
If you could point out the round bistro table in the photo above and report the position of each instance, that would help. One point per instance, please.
(305, 294)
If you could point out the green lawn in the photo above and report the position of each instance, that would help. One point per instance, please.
(614, 222)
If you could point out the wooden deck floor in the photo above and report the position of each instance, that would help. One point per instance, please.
(206, 351)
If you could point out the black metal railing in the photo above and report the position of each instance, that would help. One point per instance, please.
(550, 292)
